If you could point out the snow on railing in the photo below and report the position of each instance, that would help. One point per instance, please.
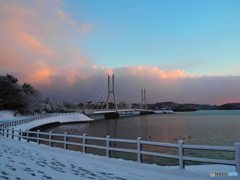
(37, 117)
(11, 133)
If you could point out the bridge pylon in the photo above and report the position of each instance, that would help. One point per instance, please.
(111, 91)
(143, 95)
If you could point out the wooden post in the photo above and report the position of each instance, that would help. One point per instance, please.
(139, 149)
(50, 139)
(237, 157)
(108, 144)
(181, 154)
(65, 140)
(84, 143)
(38, 136)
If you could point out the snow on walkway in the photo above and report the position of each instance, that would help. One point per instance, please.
(29, 161)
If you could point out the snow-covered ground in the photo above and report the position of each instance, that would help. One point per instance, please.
(8, 115)
(163, 111)
(30, 161)
(22, 160)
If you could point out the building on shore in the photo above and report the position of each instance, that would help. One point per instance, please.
(123, 105)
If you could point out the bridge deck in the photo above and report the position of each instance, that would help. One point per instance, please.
(105, 111)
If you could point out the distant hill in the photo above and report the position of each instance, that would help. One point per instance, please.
(230, 106)
(193, 107)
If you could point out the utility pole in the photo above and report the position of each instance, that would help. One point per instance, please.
(111, 92)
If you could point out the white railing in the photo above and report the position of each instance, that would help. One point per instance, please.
(11, 133)
(37, 117)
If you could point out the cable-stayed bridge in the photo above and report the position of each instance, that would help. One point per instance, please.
(104, 101)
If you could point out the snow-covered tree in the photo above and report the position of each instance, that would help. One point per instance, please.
(12, 96)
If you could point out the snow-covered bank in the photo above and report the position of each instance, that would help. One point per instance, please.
(6, 116)
(57, 119)
(163, 111)
(22, 160)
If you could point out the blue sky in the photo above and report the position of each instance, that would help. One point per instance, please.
(200, 37)
(185, 51)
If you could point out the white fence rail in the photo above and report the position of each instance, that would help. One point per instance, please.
(11, 133)
(37, 117)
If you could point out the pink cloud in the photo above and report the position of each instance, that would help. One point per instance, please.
(109, 72)
(156, 73)
(35, 43)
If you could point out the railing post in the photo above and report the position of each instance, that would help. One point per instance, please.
(84, 143)
(7, 132)
(139, 149)
(108, 144)
(237, 157)
(65, 140)
(181, 154)
(27, 136)
(12, 133)
(50, 139)
(38, 136)
(19, 134)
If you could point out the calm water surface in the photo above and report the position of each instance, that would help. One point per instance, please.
(219, 128)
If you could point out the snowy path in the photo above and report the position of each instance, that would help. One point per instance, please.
(28, 161)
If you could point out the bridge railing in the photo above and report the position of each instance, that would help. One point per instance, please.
(49, 137)
(37, 117)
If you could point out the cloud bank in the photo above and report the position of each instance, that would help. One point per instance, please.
(37, 45)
